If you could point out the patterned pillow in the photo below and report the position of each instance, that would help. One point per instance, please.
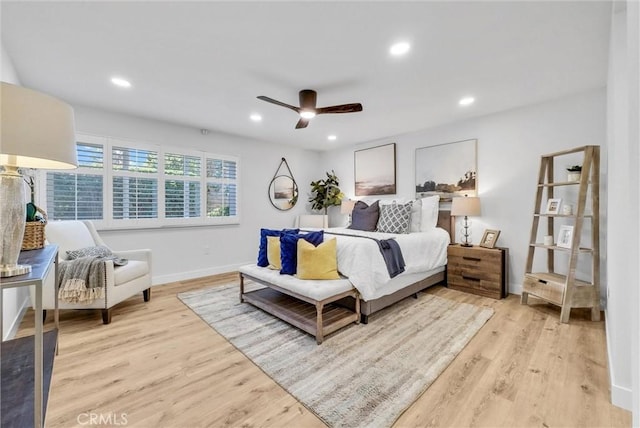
(395, 218)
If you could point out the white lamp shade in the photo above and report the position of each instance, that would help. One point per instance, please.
(38, 130)
(468, 206)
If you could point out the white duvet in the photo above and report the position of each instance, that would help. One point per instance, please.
(361, 261)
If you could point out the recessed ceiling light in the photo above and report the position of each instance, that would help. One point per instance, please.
(400, 48)
(332, 138)
(119, 81)
(466, 101)
(255, 117)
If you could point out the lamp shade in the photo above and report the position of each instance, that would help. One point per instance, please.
(37, 130)
(346, 207)
(467, 206)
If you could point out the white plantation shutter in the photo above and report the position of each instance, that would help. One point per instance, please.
(135, 183)
(120, 184)
(78, 195)
(182, 185)
(222, 187)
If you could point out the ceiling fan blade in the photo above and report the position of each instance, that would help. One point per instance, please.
(302, 123)
(343, 108)
(278, 103)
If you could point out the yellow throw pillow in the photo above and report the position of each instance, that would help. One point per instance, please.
(319, 262)
(273, 252)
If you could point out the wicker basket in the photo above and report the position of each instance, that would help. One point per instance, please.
(34, 233)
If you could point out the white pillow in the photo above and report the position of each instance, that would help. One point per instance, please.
(430, 209)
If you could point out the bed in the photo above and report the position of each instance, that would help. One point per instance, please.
(365, 281)
(425, 255)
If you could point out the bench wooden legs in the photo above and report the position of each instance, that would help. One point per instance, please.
(319, 329)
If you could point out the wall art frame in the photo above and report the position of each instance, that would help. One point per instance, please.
(448, 170)
(375, 170)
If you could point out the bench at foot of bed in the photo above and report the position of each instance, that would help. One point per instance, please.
(284, 297)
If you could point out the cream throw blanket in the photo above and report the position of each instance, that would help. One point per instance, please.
(82, 280)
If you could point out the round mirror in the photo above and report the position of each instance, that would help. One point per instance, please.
(283, 192)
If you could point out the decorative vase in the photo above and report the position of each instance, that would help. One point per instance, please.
(573, 176)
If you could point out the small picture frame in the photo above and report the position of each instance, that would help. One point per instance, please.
(565, 236)
(553, 206)
(489, 238)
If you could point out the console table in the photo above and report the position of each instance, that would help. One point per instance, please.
(18, 353)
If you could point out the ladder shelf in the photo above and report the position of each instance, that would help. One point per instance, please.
(565, 290)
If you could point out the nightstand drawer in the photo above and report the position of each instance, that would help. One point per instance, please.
(477, 270)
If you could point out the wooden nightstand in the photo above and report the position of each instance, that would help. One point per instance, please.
(478, 270)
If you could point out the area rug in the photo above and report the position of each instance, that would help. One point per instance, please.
(362, 375)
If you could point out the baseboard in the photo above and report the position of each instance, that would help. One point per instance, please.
(620, 396)
(183, 276)
(15, 325)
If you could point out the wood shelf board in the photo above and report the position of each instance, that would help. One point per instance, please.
(555, 247)
(298, 313)
(17, 397)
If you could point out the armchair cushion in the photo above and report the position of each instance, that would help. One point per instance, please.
(134, 269)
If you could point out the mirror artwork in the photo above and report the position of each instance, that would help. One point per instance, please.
(283, 189)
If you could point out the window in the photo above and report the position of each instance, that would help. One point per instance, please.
(135, 183)
(222, 191)
(120, 184)
(182, 186)
(79, 194)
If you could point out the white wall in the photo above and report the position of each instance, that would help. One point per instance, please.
(13, 299)
(179, 253)
(623, 247)
(509, 148)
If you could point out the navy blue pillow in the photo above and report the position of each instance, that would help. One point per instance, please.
(289, 249)
(263, 261)
(365, 217)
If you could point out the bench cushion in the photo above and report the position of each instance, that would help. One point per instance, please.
(314, 289)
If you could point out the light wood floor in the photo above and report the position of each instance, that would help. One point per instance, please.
(158, 365)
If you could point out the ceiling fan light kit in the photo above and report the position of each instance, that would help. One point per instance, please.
(308, 110)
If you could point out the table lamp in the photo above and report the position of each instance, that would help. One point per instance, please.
(467, 206)
(37, 132)
(346, 207)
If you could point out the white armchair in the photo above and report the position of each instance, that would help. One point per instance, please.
(122, 282)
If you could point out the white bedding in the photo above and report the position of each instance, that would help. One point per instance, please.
(361, 261)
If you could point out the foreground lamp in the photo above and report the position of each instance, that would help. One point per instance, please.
(467, 206)
(37, 131)
(346, 207)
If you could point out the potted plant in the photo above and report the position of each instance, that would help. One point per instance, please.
(574, 172)
(325, 193)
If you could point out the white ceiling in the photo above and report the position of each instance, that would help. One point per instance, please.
(202, 64)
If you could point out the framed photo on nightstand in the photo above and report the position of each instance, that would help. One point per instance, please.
(489, 238)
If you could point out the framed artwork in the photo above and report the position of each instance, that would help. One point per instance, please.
(489, 238)
(375, 170)
(565, 236)
(553, 206)
(448, 170)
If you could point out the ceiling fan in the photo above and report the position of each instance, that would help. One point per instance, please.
(308, 110)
